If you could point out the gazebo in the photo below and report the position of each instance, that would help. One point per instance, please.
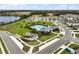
(30, 36)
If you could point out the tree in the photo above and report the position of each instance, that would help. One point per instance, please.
(21, 26)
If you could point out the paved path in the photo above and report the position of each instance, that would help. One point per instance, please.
(54, 46)
(51, 48)
(10, 44)
(2, 49)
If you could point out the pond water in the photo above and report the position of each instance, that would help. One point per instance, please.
(7, 19)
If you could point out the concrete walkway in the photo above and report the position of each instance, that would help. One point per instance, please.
(63, 47)
(39, 41)
(62, 31)
(30, 50)
(2, 49)
(47, 44)
(17, 42)
(22, 41)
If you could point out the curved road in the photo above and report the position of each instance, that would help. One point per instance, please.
(54, 46)
(14, 49)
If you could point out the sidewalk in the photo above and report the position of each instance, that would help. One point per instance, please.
(17, 42)
(47, 44)
(63, 47)
(22, 41)
(30, 50)
(2, 49)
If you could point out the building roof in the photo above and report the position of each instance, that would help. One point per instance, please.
(30, 36)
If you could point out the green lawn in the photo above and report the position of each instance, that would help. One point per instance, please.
(65, 52)
(74, 46)
(57, 50)
(67, 43)
(34, 42)
(0, 49)
(20, 27)
(26, 48)
(17, 27)
(47, 36)
(77, 35)
(44, 23)
(35, 49)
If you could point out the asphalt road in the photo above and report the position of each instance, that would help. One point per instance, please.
(54, 46)
(10, 44)
(14, 49)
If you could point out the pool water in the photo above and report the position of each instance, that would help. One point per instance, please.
(39, 27)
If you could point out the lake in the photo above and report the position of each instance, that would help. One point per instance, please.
(7, 19)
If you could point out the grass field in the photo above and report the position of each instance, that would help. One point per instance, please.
(34, 42)
(77, 35)
(74, 46)
(17, 27)
(47, 36)
(21, 27)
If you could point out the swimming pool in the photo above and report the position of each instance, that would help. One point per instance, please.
(40, 28)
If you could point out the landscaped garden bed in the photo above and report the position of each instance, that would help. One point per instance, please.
(74, 46)
(26, 48)
(65, 52)
(34, 42)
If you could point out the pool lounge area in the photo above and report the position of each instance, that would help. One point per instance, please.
(42, 28)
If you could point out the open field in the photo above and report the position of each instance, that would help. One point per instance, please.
(17, 27)
(21, 27)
